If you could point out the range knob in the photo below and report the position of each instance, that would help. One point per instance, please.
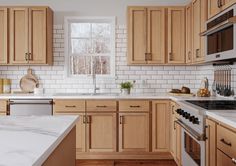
(186, 115)
(180, 111)
(191, 118)
(195, 121)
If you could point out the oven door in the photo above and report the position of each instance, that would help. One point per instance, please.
(193, 147)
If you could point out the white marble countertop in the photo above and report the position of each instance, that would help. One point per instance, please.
(29, 141)
(227, 117)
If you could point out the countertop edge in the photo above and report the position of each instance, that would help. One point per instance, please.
(50, 150)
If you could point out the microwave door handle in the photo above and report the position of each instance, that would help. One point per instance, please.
(194, 134)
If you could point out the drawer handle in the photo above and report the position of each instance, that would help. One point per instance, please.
(84, 119)
(101, 106)
(225, 142)
(70, 106)
(134, 106)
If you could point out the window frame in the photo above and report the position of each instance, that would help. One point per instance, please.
(67, 22)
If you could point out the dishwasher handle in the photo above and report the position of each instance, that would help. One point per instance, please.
(13, 102)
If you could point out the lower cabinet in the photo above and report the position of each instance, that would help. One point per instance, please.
(80, 131)
(101, 132)
(3, 107)
(133, 132)
(223, 159)
(160, 125)
(175, 135)
(210, 143)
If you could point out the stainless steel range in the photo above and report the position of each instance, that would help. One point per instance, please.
(192, 120)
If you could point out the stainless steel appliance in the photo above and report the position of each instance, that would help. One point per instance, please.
(192, 120)
(221, 36)
(30, 107)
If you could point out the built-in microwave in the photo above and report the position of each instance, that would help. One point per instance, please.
(221, 36)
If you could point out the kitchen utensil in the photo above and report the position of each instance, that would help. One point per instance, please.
(29, 82)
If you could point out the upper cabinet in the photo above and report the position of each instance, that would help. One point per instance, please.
(189, 53)
(146, 35)
(31, 35)
(3, 35)
(176, 35)
(26, 35)
(216, 6)
(199, 16)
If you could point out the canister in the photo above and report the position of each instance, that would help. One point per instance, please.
(6, 86)
(1, 85)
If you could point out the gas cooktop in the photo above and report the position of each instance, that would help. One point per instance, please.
(214, 104)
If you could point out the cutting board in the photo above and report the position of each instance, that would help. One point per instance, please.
(182, 94)
(29, 82)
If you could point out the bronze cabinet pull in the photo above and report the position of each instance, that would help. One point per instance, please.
(173, 107)
(234, 160)
(134, 106)
(70, 106)
(197, 53)
(30, 56)
(84, 119)
(101, 106)
(26, 57)
(121, 119)
(89, 119)
(189, 55)
(225, 142)
(170, 56)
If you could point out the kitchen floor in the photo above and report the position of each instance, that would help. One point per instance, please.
(125, 163)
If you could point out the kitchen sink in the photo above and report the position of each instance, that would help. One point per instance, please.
(86, 94)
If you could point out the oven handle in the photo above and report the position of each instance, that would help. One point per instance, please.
(193, 133)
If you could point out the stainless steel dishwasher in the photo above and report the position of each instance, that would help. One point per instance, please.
(30, 107)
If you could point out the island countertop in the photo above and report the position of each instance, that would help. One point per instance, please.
(29, 141)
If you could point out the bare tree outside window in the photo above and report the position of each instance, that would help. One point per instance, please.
(90, 41)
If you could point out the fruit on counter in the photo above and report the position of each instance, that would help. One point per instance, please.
(203, 92)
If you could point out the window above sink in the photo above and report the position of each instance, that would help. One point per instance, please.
(89, 41)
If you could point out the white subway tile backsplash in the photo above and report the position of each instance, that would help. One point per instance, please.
(148, 79)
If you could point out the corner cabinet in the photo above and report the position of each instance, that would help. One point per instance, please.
(160, 125)
(146, 35)
(31, 32)
(176, 35)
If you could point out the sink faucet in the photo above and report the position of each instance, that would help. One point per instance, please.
(95, 88)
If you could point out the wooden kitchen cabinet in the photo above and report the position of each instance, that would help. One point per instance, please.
(210, 143)
(160, 126)
(3, 36)
(146, 35)
(31, 30)
(3, 107)
(134, 132)
(176, 35)
(216, 6)
(223, 159)
(178, 144)
(101, 132)
(199, 15)
(189, 39)
(80, 131)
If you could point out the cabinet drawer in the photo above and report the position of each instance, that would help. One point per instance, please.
(101, 105)
(223, 159)
(134, 105)
(69, 106)
(226, 141)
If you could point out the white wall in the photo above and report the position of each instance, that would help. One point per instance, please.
(92, 7)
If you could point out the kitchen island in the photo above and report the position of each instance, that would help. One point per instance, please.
(35, 141)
